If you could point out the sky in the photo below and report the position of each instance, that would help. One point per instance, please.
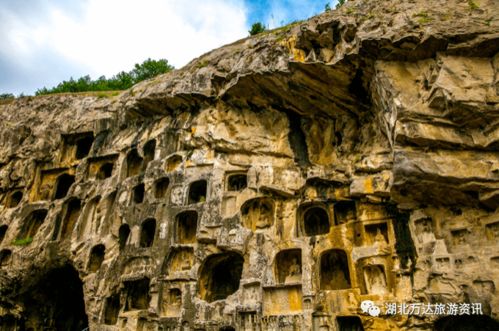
(43, 42)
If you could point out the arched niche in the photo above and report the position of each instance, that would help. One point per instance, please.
(138, 193)
(136, 293)
(123, 235)
(375, 281)
(31, 224)
(258, 213)
(161, 187)
(90, 214)
(186, 227)
(112, 309)
(72, 210)
(288, 266)
(313, 220)
(62, 186)
(149, 151)
(334, 270)
(198, 191)
(133, 163)
(173, 163)
(96, 257)
(147, 232)
(220, 275)
(344, 211)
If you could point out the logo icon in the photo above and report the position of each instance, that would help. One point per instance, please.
(368, 307)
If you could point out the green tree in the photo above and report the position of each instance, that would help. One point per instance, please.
(340, 3)
(149, 69)
(256, 28)
(4, 96)
(327, 7)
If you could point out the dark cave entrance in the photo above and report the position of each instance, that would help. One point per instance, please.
(220, 276)
(466, 323)
(64, 183)
(55, 302)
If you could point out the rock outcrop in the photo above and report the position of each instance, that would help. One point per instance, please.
(275, 183)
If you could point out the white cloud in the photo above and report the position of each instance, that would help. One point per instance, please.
(108, 36)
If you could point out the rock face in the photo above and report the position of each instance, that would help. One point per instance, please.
(272, 184)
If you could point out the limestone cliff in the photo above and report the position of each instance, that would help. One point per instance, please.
(272, 184)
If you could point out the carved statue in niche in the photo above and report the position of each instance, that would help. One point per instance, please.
(294, 272)
(424, 231)
(379, 238)
(258, 214)
(492, 231)
(459, 237)
(375, 279)
(45, 191)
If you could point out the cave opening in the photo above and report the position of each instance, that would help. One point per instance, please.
(96, 257)
(197, 191)
(133, 163)
(123, 234)
(147, 231)
(14, 199)
(349, 323)
(137, 294)
(288, 266)
(466, 323)
(237, 182)
(105, 170)
(186, 227)
(161, 187)
(316, 221)
(220, 276)
(64, 183)
(32, 224)
(55, 302)
(334, 271)
(138, 193)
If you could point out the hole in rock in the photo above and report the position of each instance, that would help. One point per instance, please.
(112, 309)
(105, 170)
(96, 257)
(315, 221)
(5, 256)
(123, 234)
(220, 276)
(3, 231)
(237, 182)
(334, 273)
(133, 163)
(147, 231)
(14, 199)
(138, 193)
(55, 302)
(83, 146)
(344, 211)
(73, 210)
(62, 186)
(149, 150)
(32, 223)
(197, 191)
(349, 323)
(288, 266)
(173, 162)
(186, 227)
(161, 187)
(137, 294)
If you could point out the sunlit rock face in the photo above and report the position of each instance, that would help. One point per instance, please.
(272, 184)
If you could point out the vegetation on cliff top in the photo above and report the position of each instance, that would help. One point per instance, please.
(121, 81)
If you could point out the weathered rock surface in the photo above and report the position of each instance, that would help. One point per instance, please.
(272, 184)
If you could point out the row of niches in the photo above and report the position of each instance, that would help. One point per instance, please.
(220, 277)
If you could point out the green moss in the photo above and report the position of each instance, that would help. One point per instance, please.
(473, 5)
(423, 17)
(22, 242)
(202, 64)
